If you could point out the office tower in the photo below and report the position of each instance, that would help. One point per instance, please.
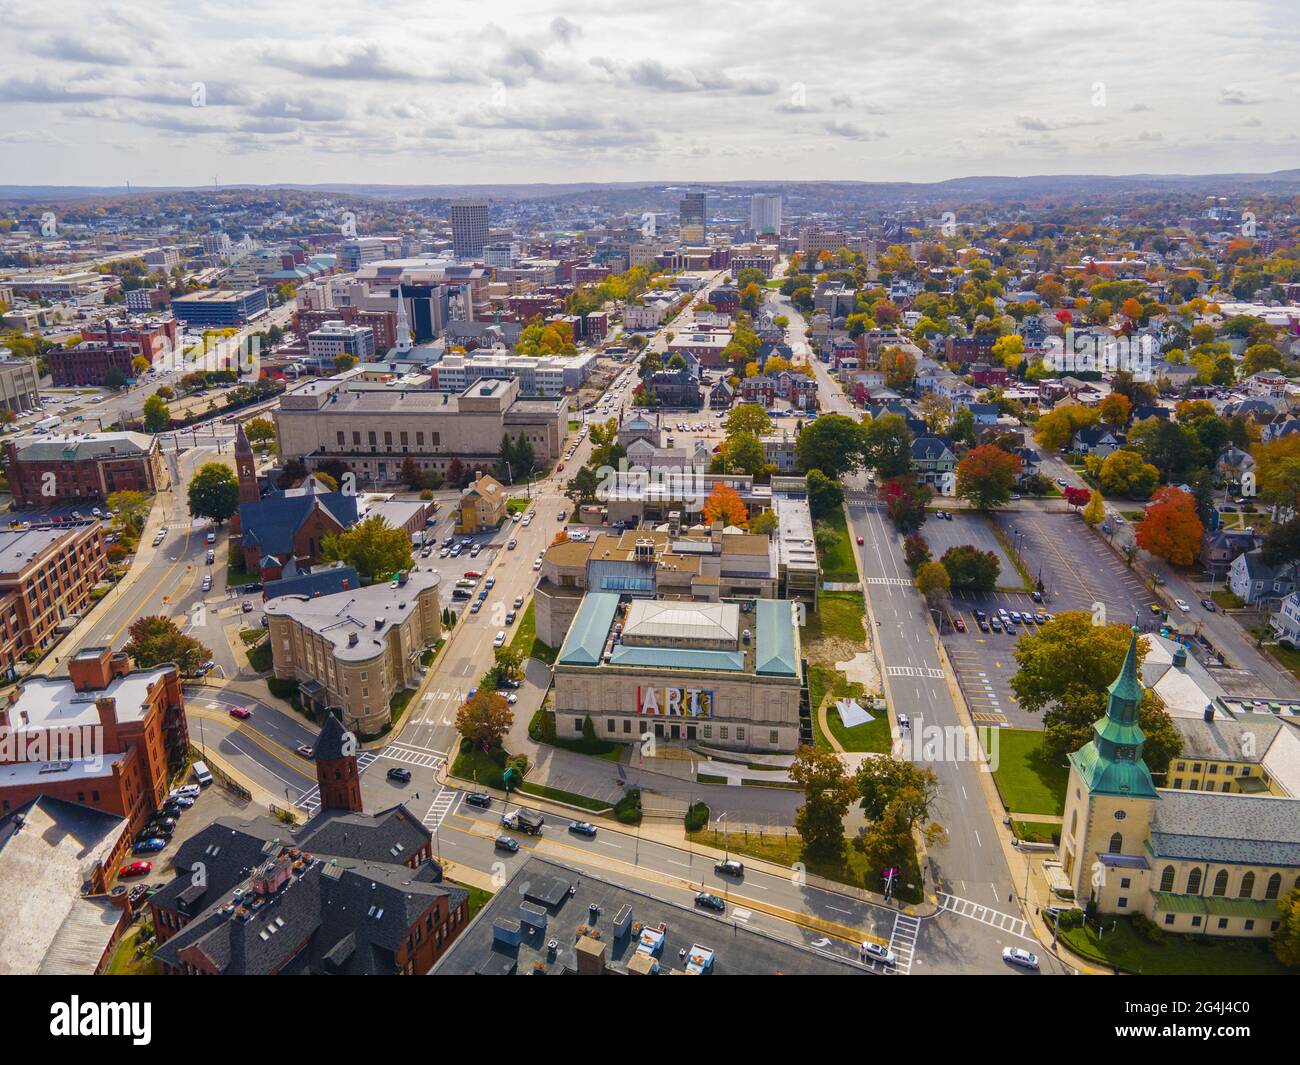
(765, 213)
(469, 228)
(693, 227)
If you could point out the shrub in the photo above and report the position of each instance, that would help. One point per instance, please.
(628, 809)
(1143, 928)
(697, 816)
(427, 494)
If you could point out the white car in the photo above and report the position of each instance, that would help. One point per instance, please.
(1023, 958)
(1181, 604)
(500, 640)
(875, 952)
(537, 564)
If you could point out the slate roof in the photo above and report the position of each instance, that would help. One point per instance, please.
(1211, 826)
(271, 523)
(324, 581)
(929, 449)
(329, 744)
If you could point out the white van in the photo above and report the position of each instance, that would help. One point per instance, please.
(201, 773)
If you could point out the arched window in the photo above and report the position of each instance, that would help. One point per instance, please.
(1194, 882)
(1221, 882)
(1247, 886)
(1167, 879)
(1274, 886)
(1116, 843)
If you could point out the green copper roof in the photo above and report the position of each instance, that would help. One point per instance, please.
(1111, 763)
(774, 652)
(586, 639)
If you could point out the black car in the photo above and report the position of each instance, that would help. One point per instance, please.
(506, 843)
(710, 902)
(730, 867)
(1037, 597)
(582, 828)
(1208, 604)
(172, 810)
(477, 798)
(154, 832)
(162, 821)
(399, 774)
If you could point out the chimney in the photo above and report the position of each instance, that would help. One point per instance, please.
(590, 956)
(106, 706)
(1209, 711)
(352, 639)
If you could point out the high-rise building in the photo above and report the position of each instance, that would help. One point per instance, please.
(469, 228)
(765, 213)
(693, 227)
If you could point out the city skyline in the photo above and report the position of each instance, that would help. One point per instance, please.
(549, 93)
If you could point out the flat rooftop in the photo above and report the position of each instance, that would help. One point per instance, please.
(53, 703)
(535, 907)
(367, 613)
(20, 547)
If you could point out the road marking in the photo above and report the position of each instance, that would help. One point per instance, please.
(1005, 922)
(928, 672)
(897, 582)
(902, 941)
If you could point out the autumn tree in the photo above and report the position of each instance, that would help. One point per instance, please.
(899, 368)
(155, 641)
(1123, 473)
(1057, 427)
(1285, 943)
(1095, 512)
(1114, 410)
(372, 548)
(484, 719)
(933, 582)
(748, 418)
(724, 505)
(915, 551)
(1171, 529)
(987, 475)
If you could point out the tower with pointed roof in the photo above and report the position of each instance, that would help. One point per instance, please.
(246, 467)
(337, 774)
(1110, 796)
(403, 330)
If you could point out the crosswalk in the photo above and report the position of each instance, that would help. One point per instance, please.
(1016, 926)
(440, 807)
(895, 582)
(902, 941)
(928, 672)
(309, 801)
(411, 755)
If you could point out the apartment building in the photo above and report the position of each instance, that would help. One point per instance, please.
(374, 432)
(107, 736)
(18, 385)
(60, 469)
(358, 648)
(337, 338)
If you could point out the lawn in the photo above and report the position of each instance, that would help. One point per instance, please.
(1176, 955)
(1289, 657)
(476, 766)
(838, 617)
(518, 504)
(478, 898)
(786, 848)
(525, 639)
(399, 702)
(260, 656)
(837, 561)
(235, 572)
(1227, 599)
(570, 797)
(873, 736)
(1026, 780)
(124, 962)
(1036, 831)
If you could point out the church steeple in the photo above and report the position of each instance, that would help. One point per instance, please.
(403, 344)
(1111, 763)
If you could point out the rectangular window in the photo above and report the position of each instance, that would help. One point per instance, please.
(1223, 922)
(772, 737)
(577, 724)
(723, 732)
(1169, 918)
(611, 726)
(1122, 902)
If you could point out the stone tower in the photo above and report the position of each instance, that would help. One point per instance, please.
(246, 467)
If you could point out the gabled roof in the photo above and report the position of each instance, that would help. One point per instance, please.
(273, 522)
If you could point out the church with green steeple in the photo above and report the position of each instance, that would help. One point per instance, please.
(1192, 861)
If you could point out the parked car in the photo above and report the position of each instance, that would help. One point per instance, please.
(499, 640)
(959, 624)
(519, 601)
(1208, 604)
(136, 869)
(247, 606)
(477, 798)
(190, 791)
(148, 846)
(399, 774)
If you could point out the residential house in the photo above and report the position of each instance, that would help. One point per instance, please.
(482, 506)
(931, 460)
(1094, 440)
(1220, 546)
(1256, 582)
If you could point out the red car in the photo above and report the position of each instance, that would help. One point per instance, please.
(958, 624)
(241, 712)
(136, 869)
(473, 574)
(859, 541)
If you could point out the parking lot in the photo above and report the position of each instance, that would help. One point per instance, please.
(968, 528)
(1077, 570)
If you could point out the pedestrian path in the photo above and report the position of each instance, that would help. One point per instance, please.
(412, 755)
(915, 671)
(902, 941)
(897, 582)
(1016, 926)
(440, 807)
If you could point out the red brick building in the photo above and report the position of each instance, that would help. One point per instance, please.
(150, 339)
(108, 736)
(46, 576)
(89, 364)
(382, 323)
(66, 469)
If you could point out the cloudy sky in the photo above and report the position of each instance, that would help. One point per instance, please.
(408, 91)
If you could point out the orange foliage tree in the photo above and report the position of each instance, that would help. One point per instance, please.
(724, 505)
(1171, 529)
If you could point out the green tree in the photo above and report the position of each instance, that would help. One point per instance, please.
(887, 446)
(155, 641)
(156, 415)
(583, 485)
(371, 547)
(1064, 669)
(825, 496)
(748, 418)
(1285, 943)
(828, 791)
(214, 492)
(833, 443)
(971, 569)
(132, 508)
